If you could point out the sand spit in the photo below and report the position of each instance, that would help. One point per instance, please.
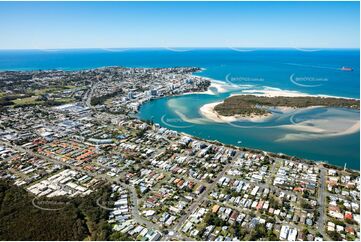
(318, 130)
(208, 112)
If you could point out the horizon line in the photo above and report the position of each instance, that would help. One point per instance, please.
(180, 47)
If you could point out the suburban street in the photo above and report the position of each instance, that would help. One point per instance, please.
(133, 194)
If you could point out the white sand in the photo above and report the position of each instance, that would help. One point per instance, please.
(276, 92)
(218, 87)
(208, 111)
(305, 130)
(320, 130)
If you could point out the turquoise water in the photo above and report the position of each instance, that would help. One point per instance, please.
(307, 71)
(265, 135)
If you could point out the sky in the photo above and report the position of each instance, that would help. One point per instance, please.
(58, 25)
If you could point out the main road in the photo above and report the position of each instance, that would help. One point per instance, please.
(200, 199)
(321, 202)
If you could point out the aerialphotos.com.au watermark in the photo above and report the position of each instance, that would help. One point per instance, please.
(115, 49)
(177, 49)
(304, 80)
(239, 49)
(246, 125)
(292, 120)
(240, 80)
(245, 49)
(296, 46)
(241, 124)
(105, 206)
(174, 122)
(266, 122)
(48, 205)
(306, 49)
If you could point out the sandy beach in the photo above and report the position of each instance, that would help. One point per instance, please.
(276, 92)
(217, 87)
(311, 129)
(273, 92)
(305, 130)
(208, 112)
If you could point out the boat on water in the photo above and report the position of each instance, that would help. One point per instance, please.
(346, 68)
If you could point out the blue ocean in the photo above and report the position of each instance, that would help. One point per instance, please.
(333, 72)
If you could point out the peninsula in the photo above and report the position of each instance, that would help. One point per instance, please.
(247, 105)
(75, 155)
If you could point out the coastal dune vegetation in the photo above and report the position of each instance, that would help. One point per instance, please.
(246, 105)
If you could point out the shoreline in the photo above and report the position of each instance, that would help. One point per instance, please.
(208, 112)
(220, 86)
(316, 131)
(277, 92)
(271, 153)
(268, 91)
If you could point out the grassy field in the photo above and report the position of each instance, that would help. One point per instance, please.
(33, 100)
(27, 101)
(52, 90)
